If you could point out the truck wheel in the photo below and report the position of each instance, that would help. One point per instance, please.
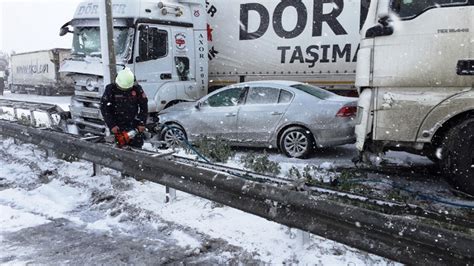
(458, 156)
(172, 135)
(296, 142)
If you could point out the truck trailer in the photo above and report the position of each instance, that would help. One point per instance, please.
(38, 73)
(415, 74)
(180, 50)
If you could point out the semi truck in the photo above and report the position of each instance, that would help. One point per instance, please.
(180, 50)
(415, 74)
(37, 72)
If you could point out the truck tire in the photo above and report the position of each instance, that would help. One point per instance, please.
(458, 156)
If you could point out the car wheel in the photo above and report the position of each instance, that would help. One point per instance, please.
(173, 135)
(296, 142)
(458, 156)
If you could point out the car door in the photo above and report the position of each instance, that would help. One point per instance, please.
(261, 113)
(217, 115)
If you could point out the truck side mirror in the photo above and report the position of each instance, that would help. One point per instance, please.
(382, 29)
(384, 20)
(63, 31)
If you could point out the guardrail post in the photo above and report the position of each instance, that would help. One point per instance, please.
(170, 194)
(96, 169)
(32, 118)
(15, 113)
(50, 153)
(303, 237)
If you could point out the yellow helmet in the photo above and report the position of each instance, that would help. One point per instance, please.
(125, 79)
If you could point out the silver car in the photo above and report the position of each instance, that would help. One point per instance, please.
(291, 116)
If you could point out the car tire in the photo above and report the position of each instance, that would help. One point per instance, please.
(173, 135)
(458, 156)
(296, 142)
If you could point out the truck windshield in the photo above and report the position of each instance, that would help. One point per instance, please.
(86, 41)
(407, 9)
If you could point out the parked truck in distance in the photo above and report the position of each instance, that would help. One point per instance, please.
(180, 50)
(415, 74)
(38, 73)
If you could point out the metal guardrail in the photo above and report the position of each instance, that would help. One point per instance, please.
(404, 238)
(49, 109)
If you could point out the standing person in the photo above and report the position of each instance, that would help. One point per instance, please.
(2, 82)
(124, 106)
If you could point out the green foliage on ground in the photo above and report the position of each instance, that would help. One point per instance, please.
(215, 150)
(260, 164)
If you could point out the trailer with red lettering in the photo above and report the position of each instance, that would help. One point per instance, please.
(307, 41)
(38, 73)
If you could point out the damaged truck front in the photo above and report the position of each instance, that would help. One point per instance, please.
(163, 43)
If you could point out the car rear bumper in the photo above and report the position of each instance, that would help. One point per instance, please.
(339, 135)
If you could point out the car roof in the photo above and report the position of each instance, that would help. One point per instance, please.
(269, 82)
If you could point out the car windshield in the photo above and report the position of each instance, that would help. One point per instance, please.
(315, 91)
(86, 41)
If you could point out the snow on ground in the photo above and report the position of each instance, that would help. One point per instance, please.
(47, 197)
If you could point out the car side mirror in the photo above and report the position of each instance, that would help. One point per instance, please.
(198, 105)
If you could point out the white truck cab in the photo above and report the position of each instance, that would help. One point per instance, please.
(163, 42)
(415, 75)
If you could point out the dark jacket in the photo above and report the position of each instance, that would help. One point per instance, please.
(125, 109)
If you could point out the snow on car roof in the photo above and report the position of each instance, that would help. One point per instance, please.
(277, 82)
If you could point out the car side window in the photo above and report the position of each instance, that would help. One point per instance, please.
(285, 96)
(229, 97)
(262, 95)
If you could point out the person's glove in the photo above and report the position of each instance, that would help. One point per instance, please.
(115, 129)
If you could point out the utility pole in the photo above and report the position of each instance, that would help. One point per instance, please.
(106, 41)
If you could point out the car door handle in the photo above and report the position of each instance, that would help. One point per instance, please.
(230, 114)
(276, 113)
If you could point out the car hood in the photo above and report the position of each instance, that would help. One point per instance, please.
(184, 106)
